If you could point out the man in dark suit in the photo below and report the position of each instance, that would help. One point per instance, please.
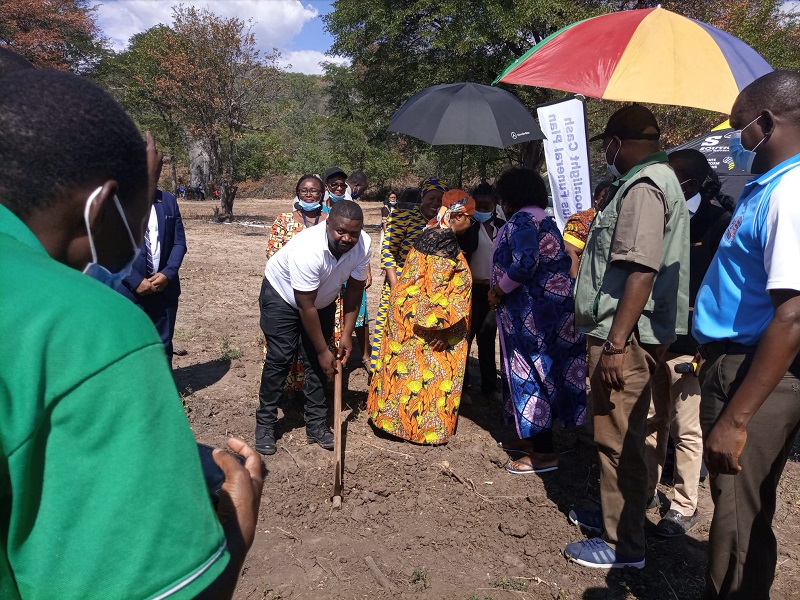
(153, 282)
(477, 243)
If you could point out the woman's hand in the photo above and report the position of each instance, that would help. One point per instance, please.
(495, 296)
(439, 341)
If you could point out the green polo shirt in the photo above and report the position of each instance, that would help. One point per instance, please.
(101, 490)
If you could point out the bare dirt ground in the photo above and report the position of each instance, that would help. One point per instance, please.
(438, 522)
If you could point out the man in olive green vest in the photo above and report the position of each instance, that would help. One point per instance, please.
(631, 299)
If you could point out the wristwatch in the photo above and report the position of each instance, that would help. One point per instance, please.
(609, 348)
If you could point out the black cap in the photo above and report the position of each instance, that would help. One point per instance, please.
(334, 171)
(630, 123)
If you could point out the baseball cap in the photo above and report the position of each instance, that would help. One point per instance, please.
(629, 123)
(334, 171)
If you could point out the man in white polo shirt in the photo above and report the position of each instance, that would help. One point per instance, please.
(298, 306)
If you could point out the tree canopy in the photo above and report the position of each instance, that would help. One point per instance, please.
(59, 34)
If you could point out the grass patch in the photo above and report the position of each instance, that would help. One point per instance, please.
(420, 577)
(184, 335)
(511, 583)
(230, 351)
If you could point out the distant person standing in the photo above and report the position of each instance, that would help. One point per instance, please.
(747, 320)
(675, 409)
(358, 184)
(478, 244)
(153, 282)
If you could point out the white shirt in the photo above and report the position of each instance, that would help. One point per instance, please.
(481, 260)
(693, 204)
(306, 264)
(155, 244)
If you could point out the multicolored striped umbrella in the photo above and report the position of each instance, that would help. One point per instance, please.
(645, 55)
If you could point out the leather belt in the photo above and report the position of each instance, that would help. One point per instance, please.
(714, 350)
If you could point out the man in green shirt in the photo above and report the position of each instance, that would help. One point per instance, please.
(631, 299)
(101, 490)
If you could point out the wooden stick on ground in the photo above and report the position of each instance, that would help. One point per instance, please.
(378, 575)
(337, 436)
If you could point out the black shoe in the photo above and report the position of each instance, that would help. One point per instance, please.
(320, 435)
(265, 440)
(674, 524)
(653, 502)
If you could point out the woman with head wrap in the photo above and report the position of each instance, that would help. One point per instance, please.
(403, 226)
(543, 356)
(416, 388)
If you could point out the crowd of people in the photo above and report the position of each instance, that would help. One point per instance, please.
(681, 318)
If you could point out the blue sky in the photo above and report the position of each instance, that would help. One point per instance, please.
(293, 26)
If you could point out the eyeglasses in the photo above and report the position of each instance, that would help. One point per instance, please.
(309, 192)
(336, 185)
(461, 214)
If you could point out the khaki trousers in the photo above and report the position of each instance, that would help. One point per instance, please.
(675, 411)
(743, 551)
(620, 429)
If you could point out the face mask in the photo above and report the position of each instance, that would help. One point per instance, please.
(612, 168)
(743, 158)
(482, 217)
(333, 197)
(392, 202)
(308, 206)
(94, 269)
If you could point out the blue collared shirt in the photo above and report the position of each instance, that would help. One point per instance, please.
(758, 253)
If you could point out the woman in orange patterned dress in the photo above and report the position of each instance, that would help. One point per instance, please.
(416, 389)
(307, 213)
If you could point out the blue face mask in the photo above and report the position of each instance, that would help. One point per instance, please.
(742, 157)
(482, 217)
(94, 269)
(334, 197)
(308, 206)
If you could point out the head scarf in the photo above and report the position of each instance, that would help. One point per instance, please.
(430, 184)
(453, 201)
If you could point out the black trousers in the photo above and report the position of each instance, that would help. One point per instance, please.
(284, 333)
(743, 551)
(484, 328)
(163, 312)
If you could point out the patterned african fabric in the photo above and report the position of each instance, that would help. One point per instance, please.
(402, 228)
(415, 392)
(543, 356)
(577, 227)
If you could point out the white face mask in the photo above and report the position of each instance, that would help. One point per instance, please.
(94, 269)
(611, 166)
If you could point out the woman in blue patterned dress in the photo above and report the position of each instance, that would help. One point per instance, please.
(543, 356)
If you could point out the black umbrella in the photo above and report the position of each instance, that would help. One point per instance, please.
(715, 146)
(466, 114)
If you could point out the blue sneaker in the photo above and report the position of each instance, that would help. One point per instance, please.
(596, 554)
(590, 520)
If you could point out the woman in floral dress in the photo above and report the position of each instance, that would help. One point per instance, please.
(416, 388)
(543, 357)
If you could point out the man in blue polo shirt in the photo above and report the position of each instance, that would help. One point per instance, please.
(747, 321)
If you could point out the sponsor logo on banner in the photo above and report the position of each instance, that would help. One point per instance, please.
(567, 155)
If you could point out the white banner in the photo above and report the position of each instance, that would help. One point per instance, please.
(567, 154)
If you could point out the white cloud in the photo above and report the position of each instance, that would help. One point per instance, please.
(275, 22)
(308, 61)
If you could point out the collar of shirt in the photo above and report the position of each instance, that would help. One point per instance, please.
(693, 204)
(774, 172)
(13, 226)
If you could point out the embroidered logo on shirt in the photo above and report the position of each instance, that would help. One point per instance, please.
(730, 234)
